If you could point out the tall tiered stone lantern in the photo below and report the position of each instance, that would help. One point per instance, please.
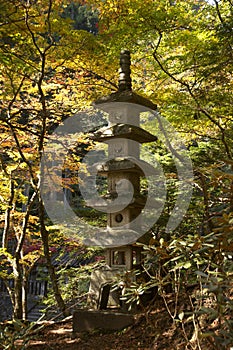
(123, 136)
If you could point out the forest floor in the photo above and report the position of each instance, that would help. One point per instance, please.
(154, 330)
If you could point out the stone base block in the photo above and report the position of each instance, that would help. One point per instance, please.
(99, 278)
(87, 320)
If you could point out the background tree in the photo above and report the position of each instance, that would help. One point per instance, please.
(43, 66)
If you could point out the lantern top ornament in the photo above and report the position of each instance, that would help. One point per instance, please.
(124, 81)
(125, 92)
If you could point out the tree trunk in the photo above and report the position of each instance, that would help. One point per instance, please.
(24, 294)
(18, 305)
(51, 269)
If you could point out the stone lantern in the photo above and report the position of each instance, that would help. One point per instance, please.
(123, 136)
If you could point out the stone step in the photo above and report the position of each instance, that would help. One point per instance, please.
(89, 320)
(36, 313)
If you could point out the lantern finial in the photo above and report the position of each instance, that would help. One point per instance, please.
(124, 71)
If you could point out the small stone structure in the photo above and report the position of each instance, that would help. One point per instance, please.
(84, 320)
(123, 136)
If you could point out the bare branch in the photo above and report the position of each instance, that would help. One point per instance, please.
(25, 223)
(19, 148)
(218, 12)
(8, 214)
(100, 77)
(199, 107)
(16, 93)
(30, 31)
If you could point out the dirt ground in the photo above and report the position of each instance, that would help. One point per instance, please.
(142, 336)
(154, 329)
(150, 331)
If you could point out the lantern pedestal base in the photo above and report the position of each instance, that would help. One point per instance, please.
(87, 320)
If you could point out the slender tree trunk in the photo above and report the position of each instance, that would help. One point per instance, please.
(24, 294)
(8, 215)
(18, 305)
(51, 269)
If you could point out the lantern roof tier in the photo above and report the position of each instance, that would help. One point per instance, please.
(107, 237)
(128, 164)
(126, 131)
(138, 201)
(126, 96)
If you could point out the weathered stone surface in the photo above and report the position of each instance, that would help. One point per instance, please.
(99, 279)
(122, 164)
(107, 237)
(134, 203)
(123, 131)
(137, 202)
(87, 320)
(124, 71)
(122, 147)
(127, 96)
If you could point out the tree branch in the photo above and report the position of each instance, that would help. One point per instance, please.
(25, 223)
(8, 214)
(218, 12)
(199, 107)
